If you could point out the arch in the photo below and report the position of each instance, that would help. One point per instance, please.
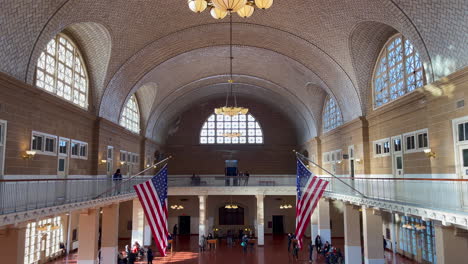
(398, 71)
(331, 117)
(238, 129)
(61, 71)
(95, 45)
(130, 115)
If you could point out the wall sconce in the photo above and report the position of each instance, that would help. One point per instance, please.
(359, 161)
(103, 161)
(29, 154)
(122, 162)
(430, 153)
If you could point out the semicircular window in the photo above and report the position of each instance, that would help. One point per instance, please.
(130, 118)
(398, 71)
(60, 70)
(239, 129)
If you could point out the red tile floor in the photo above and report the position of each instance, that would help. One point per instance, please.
(274, 251)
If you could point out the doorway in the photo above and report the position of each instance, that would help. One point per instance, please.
(184, 225)
(397, 156)
(278, 226)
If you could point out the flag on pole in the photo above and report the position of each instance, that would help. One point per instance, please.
(153, 198)
(309, 191)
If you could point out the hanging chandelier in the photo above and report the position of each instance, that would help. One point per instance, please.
(231, 205)
(231, 110)
(219, 9)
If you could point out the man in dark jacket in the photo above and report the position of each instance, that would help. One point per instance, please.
(149, 256)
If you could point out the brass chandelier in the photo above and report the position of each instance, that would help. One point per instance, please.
(219, 9)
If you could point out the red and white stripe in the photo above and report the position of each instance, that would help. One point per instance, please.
(156, 214)
(312, 193)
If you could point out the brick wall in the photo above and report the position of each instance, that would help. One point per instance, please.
(273, 157)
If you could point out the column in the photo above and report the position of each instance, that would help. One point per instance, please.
(352, 234)
(373, 238)
(12, 245)
(202, 216)
(451, 245)
(314, 226)
(324, 220)
(110, 233)
(88, 236)
(260, 220)
(138, 222)
(147, 235)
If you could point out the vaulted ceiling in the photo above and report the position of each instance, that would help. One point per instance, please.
(290, 56)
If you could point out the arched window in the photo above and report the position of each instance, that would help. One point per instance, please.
(216, 128)
(60, 71)
(331, 115)
(130, 118)
(398, 71)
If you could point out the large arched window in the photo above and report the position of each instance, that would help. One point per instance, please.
(216, 128)
(130, 118)
(60, 71)
(331, 115)
(398, 71)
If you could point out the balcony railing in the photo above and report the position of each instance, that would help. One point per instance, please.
(439, 194)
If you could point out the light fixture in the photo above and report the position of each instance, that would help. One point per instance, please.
(197, 6)
(122, 162)
(103, 161)
(286, 206)
(232, 135)
(29, 154)
(359, 161)
(177, 207)
(220, 8)
(231, 205)
(231, 110)
(429, 153)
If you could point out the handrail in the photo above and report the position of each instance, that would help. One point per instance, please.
(399, 179)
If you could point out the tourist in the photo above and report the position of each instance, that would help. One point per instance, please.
(295, 248)
(244, 243)
(174, 230)
(149, 256)
(246, 178)
(117, 178)
(289, 241)
(202, 243)
(311, 250)
(318, 243)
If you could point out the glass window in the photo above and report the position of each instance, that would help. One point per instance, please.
(422, 140)
(399, 71)
(83, 150)
(63, 146)
(397, 145)
(49, 144)
(60, 71)
(48, 230)
(130, 118)
(331, 115)
(410, 144)
(37, 142)
(221, 129)
(75, 147)
(378, 148)
(386, 147)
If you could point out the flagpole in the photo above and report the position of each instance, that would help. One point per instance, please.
(136, 175)
(333, 175)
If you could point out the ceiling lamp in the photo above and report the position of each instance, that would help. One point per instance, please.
(231, 205)
(231, 110)
(197, 6)
(286, 206)
(217, 13)
(246, 11)
(229, 5)
(263, 4)
(220, 8)
(177, 207)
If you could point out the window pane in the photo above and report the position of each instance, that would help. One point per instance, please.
(331, 115)
(50, 145)
(465, 158)
(218, 126)
(130, 118)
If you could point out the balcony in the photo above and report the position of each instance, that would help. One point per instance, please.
(423, 196)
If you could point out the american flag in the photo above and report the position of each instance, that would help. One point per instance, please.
(153, 198)
(309, 191)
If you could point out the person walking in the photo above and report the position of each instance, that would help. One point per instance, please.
(244, 243)
(295, 248)
(246, 178)
(289, 242)
(149, 256)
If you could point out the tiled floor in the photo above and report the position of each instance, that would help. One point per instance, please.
(274, 251)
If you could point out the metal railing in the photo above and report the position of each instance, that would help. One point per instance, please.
(439, 194)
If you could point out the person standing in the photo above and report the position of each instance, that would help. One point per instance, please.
(289, 242)
(174, 230)
(246, 178)
(295, 248)
(318, 243)
(311, 250)
(117, 179)
(149, 256)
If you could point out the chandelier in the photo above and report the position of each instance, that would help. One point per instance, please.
(177, 207)
(219, 9)
(231, 110)
(286, 206)
(231, 205)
